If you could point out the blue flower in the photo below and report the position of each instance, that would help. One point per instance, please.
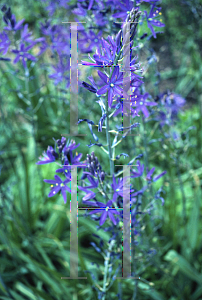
(106, 211)
(58, 185)
(89, 194)
(141, 104)
(150, 173)
(23, 54)
(151, 21)
(48, 157)
(13, 25)
(123, 9)
(118, 187)
(140, 170)
(112, 85)
(4, 43)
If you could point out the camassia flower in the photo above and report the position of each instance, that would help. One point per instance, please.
(124, 8)
(4, 43)
(139, 172)
(141, 104)
(89, 194)
(112, 85)
(48, 157)
(10, 20)
(58, 185)
(23, 54)
(105, 54)
(106, 210)
(154, 12)
(150, 173)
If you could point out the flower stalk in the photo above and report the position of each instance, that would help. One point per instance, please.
(107, 258)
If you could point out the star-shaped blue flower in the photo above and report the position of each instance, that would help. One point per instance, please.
(151, 21)
(112, 85)
(48, 157)
(58, 185)
(106, 211)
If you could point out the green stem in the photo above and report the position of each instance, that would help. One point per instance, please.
(107, 119)
(182, 191)
(29, 220)
(108, 139)
(107, 258)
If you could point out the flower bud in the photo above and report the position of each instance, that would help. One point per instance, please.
(4, 8)
(96, 161)
(58, 142)
(102, 175)
(118, 40)
(93, 155)
(60, 148)
(91, 170)
(63, 141)
(93, 165)
(88, 158)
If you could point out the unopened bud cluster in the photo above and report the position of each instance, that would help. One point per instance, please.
(55, 154)
(133, 18)
(94, 166)
(61, 144)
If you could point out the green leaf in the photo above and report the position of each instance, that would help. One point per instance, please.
(183, 265)
(25, 290)
(193, 225)
(146, 289)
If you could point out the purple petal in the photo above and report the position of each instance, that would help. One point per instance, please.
(54, 191)
(115, 73)
(112, 217)
(92, 181)
(110, 93)
(58, 179)
(114, 197)
(109, 203)
(43, 162)
(66, 188)
(118, 90)
(151, 11)
(64, 195)
(90, 4)
(119, 81)
(103, 77)
(152, 30)
(159, 176)
(89, 196)
(103, 217)
(16, 59)
(145, 111)
(17, 26)
(150, 103)
(49, 181)
(158, 23)
(60, 170)
(150, 172)
(114, 182)
(103, 90)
